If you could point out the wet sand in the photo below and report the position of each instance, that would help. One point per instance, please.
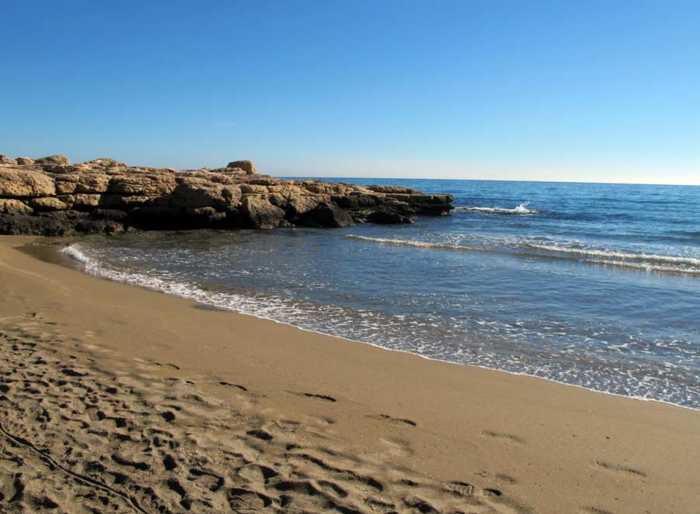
(117, 399)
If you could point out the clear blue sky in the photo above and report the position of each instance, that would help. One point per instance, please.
(586, 90)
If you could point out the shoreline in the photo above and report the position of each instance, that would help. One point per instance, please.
(74, 262)
(544, 447)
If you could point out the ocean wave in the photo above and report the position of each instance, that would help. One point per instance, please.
(413, 243)
(519, 210)
(618, 256)
(524, 248)
(421, 336)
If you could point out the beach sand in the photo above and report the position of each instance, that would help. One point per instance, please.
(117, 399)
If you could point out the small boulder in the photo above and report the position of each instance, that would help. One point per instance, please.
(25, 183)
(49, 203)
(9, 206)
(105, 162)
(53, 160)
(25, 161)
(153, 184)
(393, 189)
(327, 215)
(261, 213)
(199, 193)
(4, 159)
(247, 166)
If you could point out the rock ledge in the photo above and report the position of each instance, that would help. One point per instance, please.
(49, 196)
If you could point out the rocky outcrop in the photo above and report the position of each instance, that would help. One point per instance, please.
(246, 166)
(51, 196)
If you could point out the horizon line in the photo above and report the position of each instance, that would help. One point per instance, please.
(490, 180)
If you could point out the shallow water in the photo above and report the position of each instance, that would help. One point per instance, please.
(588, 284)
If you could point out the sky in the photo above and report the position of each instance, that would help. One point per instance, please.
(586, 91)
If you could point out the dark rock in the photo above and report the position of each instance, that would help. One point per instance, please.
(327, 215)
(34, 225)
(106, 196)
(393, 189)
(388, 217)
(261, 213)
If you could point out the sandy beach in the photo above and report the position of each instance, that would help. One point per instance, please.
(118, 399)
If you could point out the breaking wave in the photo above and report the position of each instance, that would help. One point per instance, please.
(565, 251)
(519, 210)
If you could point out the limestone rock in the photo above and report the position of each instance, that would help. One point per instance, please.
(261, 213)
(54, 197)
(92, 183)
(53, 160)
(247, 166)
(150, 184)
(299, 204)
(25, 161)
(9, 206)
(4, 159)
(393, 189)
(327, 215)
(105, 162)
(20, 183)
(199, 193)
(48, 203)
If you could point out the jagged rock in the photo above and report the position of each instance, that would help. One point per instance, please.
(393, 189)
(48, 203)
(34, 226)
(246, 166)
(388, 217)
(11, 206)
(25, 183)
(92, 183)
(148, 184)
(253, 188)
(105, 196)
(327, 215)
(4, 159)
(25, 161)
(83, 201)
(356, 200)
(204, 194)
(299, 204)
(53, 160)
(261, 213)
(105, 162)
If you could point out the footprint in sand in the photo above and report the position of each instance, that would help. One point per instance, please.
(323, 397)
(391, 419)
(593, 510)
(507, 438)
(227, 384)
(620, 470)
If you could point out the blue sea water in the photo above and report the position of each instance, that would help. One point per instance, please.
(594, 285)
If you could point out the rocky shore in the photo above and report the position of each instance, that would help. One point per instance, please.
(52, 197)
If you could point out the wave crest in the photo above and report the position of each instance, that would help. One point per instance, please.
(525, 248)
(519, 210)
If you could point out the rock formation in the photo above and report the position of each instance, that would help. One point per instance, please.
(50, 196)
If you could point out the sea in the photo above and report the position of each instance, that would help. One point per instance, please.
(591, 285)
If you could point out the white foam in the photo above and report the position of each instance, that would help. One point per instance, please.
(640, 261)
(411, 242)
(620, 257)
(376, 332)
(519, 210)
